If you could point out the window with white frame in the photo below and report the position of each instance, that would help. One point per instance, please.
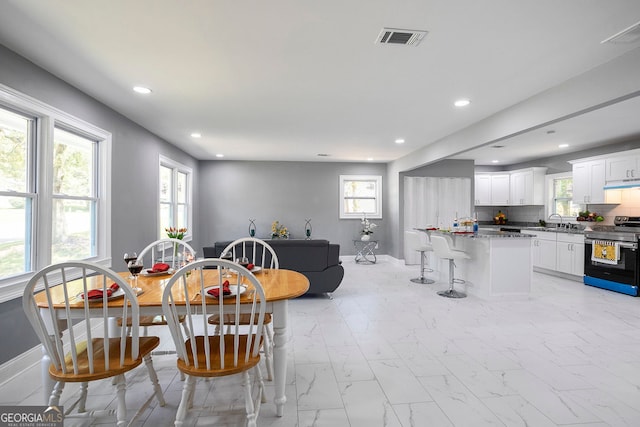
(360, 195)
(54, 192)
(561, 191)
(175, 195)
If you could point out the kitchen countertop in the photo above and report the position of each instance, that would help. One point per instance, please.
(488, 234)
(549, 228)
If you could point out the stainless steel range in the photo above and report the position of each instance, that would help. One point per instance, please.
(611, 256)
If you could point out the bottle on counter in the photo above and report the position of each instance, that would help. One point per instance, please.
(455, 223)
(475, 222)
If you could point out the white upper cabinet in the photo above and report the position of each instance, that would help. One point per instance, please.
(527, 186)
(500, 189)
(492, 189)
(519, 187)
(621, 168)
(589, 178)
(483, 189)
(588, 182)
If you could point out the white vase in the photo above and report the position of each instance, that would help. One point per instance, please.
(365, 237)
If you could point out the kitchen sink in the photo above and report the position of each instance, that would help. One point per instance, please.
(556, 229)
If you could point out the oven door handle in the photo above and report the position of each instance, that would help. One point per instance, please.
(621, 244)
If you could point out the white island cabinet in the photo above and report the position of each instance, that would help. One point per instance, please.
(500, 264)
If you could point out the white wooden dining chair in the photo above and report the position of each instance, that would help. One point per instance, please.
(206, 353)
(85, 352)
(170, 251)
(174, 252)
(261, 254)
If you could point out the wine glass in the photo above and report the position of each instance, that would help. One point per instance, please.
(226, 256)
(243, 261)
(128, 257)
(135, 267)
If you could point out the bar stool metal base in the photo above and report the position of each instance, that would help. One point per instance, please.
(423, 280)
(452, 293)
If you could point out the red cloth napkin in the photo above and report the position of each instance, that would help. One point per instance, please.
(159, 268)
(97, 293)
(216, 291)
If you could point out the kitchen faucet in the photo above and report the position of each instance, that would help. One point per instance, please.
(556, 215)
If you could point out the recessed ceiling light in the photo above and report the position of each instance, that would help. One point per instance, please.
(462, 103)
(551, 131)
(399, 141)
(196, 135)
(495, 161)
(141, 89)
(563, 145)
(219, 155)
(323, 155)
(369, 159)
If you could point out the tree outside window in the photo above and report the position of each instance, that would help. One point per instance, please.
(16, 193)
(54, 190)
(74, 201)
(563, 197)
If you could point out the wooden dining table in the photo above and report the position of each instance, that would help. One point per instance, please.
(279, 287)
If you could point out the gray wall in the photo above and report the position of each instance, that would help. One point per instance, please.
(135, 153)
(289, 192)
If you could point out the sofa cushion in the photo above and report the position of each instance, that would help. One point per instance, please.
(292, 256)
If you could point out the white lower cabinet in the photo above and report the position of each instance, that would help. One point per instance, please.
(560, 252)
(544, 250)
(570, 250)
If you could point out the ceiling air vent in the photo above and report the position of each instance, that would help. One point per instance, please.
(628, 35)
(402, 37)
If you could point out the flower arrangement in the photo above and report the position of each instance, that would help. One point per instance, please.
(279, 231)
(367, 226)
(175, 233)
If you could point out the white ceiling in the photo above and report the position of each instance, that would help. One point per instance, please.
(289, 79)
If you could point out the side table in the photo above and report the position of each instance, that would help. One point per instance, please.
(364, 251)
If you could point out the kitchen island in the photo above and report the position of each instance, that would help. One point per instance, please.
(500, 264)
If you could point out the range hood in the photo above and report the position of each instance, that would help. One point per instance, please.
(626, 183)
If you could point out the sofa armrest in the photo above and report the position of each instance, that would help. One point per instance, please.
(333, 254)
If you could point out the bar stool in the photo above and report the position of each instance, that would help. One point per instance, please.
(414, 242)
(443, 250)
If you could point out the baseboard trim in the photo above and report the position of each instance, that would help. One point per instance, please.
(13, 368)
(16, 366)
(379, 258)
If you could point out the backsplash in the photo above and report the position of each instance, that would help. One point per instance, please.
(514, 213)
(629, 206)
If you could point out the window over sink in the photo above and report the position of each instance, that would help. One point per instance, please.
(561, 196)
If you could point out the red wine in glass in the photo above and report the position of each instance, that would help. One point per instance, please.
(130, 256)
(135, 268)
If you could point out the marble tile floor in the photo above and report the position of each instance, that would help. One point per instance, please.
(389, 352)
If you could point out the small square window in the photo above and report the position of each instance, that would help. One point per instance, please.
(360, 195)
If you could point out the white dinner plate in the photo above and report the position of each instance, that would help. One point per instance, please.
(232, 288)
(117, 294)
(255, 269)
(159, 273)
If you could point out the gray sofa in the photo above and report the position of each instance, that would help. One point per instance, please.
(318, 260)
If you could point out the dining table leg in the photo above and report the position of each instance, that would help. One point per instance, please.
(280, 338)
